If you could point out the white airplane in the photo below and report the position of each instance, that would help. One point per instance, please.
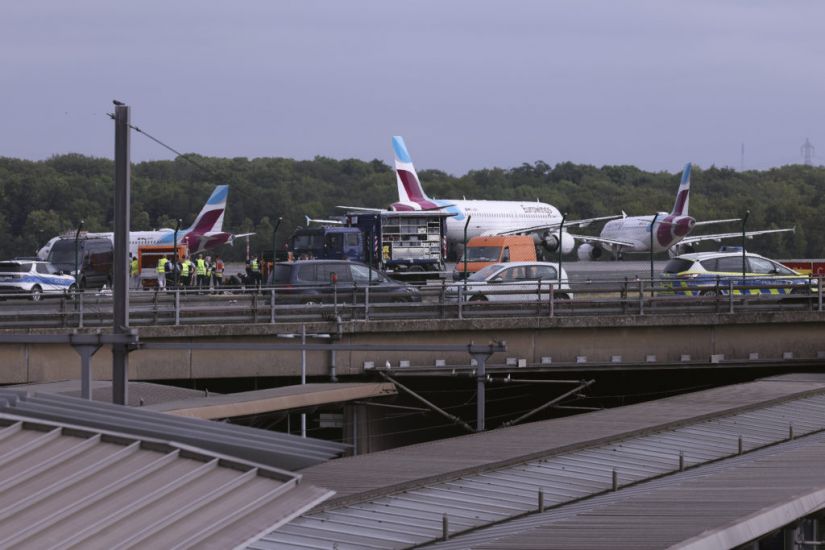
(206, 231)
(541, 220)
(669, 232)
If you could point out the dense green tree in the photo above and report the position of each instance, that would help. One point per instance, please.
(44, 198)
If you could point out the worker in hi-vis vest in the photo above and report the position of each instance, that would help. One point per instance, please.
(186, 272)
(161, 269)
(200, 271)
(134, 271)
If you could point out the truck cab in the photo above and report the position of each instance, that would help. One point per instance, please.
(483, 251)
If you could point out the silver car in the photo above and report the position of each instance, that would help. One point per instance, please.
(513, 282)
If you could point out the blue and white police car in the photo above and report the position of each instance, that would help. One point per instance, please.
(714, 273)
(34, 278)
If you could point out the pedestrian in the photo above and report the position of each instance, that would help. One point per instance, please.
(186, 272)
(161, 270)
(219, 267)
(200, 271)
(255, 268)
(134, 271)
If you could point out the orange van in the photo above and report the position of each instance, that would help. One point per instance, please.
(484, 251)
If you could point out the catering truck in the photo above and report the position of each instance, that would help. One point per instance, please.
(404, 245)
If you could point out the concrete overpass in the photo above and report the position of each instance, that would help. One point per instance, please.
(559, 343)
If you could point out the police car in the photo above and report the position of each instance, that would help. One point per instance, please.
(711, 274)
(34, 278)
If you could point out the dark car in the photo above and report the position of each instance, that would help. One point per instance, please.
(341, 280)
(93, 257)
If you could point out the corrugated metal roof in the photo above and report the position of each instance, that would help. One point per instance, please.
(262, 446)
(718, 505)
(66, 486)
(489, 496)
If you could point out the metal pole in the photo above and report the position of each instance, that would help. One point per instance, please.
(120, 357)
(652, 225)
(76, 254)
(481, 379)
(744, 221)
(465, 250)
(175, 252)
(303, 374)
(274, 248)
(432, 406)
(561, 229)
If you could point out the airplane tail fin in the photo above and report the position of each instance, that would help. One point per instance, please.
(680, 207)
(409, 186)
(210, 218)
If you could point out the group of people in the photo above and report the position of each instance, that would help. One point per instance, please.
(199, 272)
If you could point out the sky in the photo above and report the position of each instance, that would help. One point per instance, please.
(470, 84)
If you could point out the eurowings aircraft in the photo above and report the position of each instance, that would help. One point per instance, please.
(669, 232)
(541, 220)
(206, 231)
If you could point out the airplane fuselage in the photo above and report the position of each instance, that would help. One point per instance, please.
(489, 217)
(668, 230)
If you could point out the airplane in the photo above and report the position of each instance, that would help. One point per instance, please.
(669, 232)
(541, 220)
(206, 231)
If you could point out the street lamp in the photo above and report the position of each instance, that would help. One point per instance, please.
(175, 251)
(561, 229)
(744, 221)
(652, 224)
(466, 224)
(77, 253)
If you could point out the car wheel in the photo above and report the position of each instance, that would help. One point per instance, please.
(800, 290)
(479, 298)
(36, 293)
(71, 292)
(562, 296)
(709, 293)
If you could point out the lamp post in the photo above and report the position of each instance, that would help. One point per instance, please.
(466, 224)
(274, 249)
(561, 229)
(175, 251)
(77, 253)
(652, 225)
(744, 221)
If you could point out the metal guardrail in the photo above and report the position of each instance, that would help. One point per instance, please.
(438, 301)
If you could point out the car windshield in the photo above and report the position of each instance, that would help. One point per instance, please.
(484, 273)
(677, 265)
(482, 254)
(63, 252)
(307, 242)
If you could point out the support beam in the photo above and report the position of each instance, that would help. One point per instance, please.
(432, 406)
(120, 273)
(550, 403)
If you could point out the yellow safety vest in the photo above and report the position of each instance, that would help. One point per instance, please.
(162, 265)
(135, 268)
(254, 265)
(184, 269)
(200, 266)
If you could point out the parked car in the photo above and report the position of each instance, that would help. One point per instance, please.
(34, 278)
(711, 273)
(325, 280)
(513, 282)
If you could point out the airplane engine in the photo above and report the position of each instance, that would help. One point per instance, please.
(588, 252)
(550, 241)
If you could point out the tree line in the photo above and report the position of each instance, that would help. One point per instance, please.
(41, 199)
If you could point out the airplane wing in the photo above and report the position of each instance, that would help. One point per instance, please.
(601, 240)
(364, 209)
(719, 236)
(574, 223)
(709, 222)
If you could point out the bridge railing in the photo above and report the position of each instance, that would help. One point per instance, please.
(437, 301)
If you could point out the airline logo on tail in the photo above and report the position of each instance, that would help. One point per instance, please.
(680, 207)
(411, 195)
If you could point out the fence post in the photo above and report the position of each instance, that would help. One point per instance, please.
(80, 293)
(177, 306)
(552, 300)
(730, 296)
(367, 303)
(272, 306)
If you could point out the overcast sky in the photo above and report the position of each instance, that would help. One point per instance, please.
(469, 84)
